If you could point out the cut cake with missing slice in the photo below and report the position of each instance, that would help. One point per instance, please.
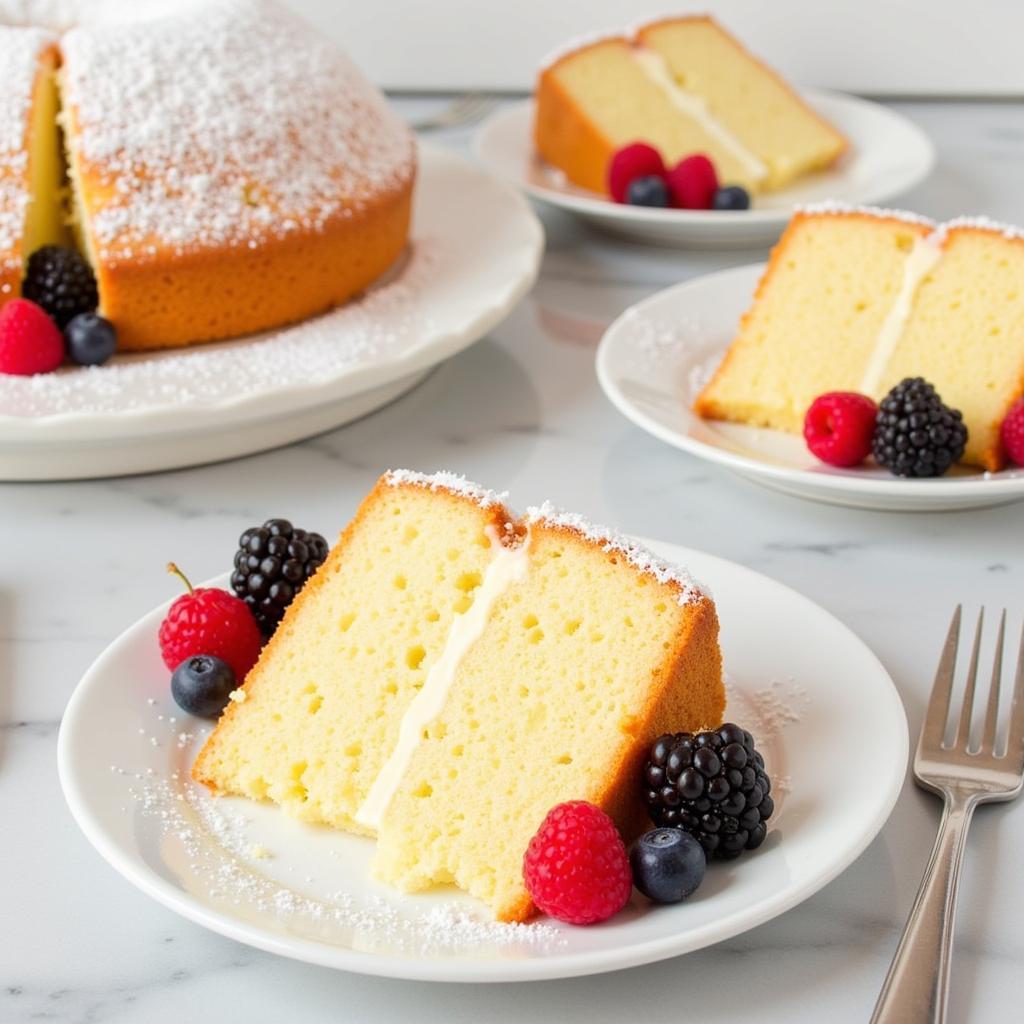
(452, 673)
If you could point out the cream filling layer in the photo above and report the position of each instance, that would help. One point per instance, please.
(695, 107)
(923, 257)
(508, 566)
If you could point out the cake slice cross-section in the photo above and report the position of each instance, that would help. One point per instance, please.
(451, 673)
(858, 299)
(683, 85)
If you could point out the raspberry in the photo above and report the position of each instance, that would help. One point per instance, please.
(1012, 432)
(637, 160)
(839, 427)
(213, 622)
(576, 868)
(693, 182)
(29, 340)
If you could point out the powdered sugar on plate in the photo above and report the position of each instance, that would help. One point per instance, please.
(389, 320)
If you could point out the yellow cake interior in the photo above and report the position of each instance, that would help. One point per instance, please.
(750, 101)
(966, 334)
(815, 320)
(450, 674)
(546, 708)
(615, 90)
(44, 219)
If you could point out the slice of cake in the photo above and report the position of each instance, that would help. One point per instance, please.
(856, 299)
(30, 168)
(451, 674)
(832, 282)
(683, 85)
(325, 704)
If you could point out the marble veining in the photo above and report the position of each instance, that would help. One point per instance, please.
(521, 410)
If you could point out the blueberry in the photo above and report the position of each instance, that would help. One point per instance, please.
(647, 191)
(201, 685)
(731, 197)
(90, 339)
(668, 864)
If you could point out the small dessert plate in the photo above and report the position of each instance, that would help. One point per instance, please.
(654, 360)
(800, 680)
(474, 252)
(888, 156)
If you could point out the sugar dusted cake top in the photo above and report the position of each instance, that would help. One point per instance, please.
(225, 127)
(610, 540)
(445, 481)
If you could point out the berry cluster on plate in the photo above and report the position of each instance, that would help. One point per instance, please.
(211, 637)
(911, 432)
(638, 176)
(709, 796)
(56, 318)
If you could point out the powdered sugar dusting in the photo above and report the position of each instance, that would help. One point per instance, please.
(445, 481)
(837, 207)
(221, 859)
(20, 52)
(384, 324)
(229, 127)
(1008, 231)
(689, 591)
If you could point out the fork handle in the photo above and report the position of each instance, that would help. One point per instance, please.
(917, 984)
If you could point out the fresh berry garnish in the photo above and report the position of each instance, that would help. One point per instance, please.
(712, 785)
(731, 197)
(648, 191)
(839, 427)
(668, 864)
(30, 342)
(90, 339)
(1011, 433)
(915, 434)
(692, 183)
(62, 282)
(575, 867)
(210, 621)
(272, 563)
(637, 160)
(202, 685)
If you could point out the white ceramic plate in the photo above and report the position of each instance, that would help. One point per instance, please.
(475, 251)
(888, 156)
(656, 357)
(801, 681)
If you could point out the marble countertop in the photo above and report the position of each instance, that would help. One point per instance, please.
(522, 410)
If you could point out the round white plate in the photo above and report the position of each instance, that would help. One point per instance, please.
(800, 680)
(655, 358)
(474, 253)
(888, 156)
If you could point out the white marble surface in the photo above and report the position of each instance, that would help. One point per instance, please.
(78, 562)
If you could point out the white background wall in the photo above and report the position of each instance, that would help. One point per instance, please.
(880, 47)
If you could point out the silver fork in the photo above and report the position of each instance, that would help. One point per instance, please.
(917, 986)
(464, 110)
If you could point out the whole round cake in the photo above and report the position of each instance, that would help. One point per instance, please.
(227, 169)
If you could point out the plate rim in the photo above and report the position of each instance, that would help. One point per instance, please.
(604, 209)
(466, 970)
(236, 410)
(847, 483)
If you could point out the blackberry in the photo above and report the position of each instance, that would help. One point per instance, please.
(915, 434)
(272, 564)
(62, 282)
(712, 785)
